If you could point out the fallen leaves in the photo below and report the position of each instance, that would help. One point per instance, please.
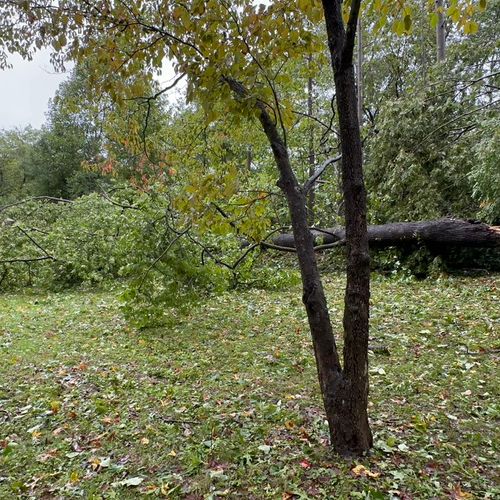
(263, 421)
(458, 494)
(131, 481)
(361, 471)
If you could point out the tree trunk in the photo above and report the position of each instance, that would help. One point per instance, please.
(325, 350)
(440, 32)
(438, 234)
(311, 156)
(351, 431)
(359, 73)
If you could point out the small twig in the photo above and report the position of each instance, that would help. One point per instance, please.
(36, 198)
(479, 353)
(176, 421)
(13, 261)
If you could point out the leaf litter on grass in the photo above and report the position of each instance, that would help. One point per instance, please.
(224, 401)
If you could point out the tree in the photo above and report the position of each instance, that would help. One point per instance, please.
(422, 143)
(15, 149)
(233, 52)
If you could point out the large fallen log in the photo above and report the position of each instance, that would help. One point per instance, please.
(441, 233)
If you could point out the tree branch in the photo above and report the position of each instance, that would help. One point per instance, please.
(318, 173)
(35, 259)
(35, 198)
(350, 34)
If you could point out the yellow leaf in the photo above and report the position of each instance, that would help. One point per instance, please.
(94, 463)
(362, 471)
(172, 454)
(55, 406)
(459, 494)
(165, 490)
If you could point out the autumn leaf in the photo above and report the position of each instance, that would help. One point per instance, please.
(55, 406)
(362, 471)
(458, 494)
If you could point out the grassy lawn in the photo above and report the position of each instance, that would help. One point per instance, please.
(224, 402)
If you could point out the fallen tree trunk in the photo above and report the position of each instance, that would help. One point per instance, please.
(443, 233)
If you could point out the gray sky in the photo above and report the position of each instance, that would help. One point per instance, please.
(25, 90)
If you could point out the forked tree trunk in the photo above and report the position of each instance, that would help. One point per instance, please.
(325, 350)
(351, 431)
(344, 389)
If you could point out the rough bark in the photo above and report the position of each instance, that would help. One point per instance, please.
(440, 32)
(349, 427)
(325, 350)
(440, 233)
(359, 73)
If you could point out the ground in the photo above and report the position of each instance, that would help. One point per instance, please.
(224, 400)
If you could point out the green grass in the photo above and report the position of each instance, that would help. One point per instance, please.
(224, 401)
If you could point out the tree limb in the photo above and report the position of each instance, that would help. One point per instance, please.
(350, 33)
(318, 173)
(35, 198)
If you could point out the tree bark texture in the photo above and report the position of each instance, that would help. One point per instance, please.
(440, 32)
(311, 154)
(350, 431)
(359, 73)
(325, 350)
(440, 233)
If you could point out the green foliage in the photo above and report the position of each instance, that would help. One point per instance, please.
(93, 240)
(430, 158)
(15, 150)
(485, 172)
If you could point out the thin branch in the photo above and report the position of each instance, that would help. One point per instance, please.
(169, 246)
(113, 202)
(471, 112)
(35, 259)
(35, 243)
(318, 248)
(318, 173)
(35, 198)
(350, 33)
(328, 127)
(264, 73)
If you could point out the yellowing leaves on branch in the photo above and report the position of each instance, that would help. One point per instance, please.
(245, 40)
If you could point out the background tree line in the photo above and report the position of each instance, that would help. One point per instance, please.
(430, 130)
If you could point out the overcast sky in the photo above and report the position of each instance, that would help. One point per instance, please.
(25, 90)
